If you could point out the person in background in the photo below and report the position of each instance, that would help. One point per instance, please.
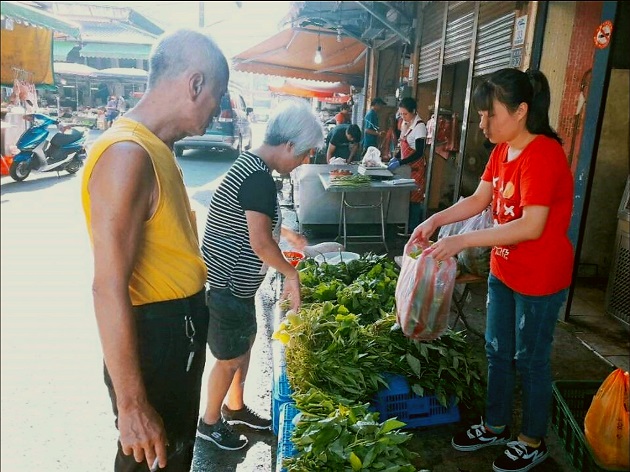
(243, 229)
(529, 184)
(121, 105)
(344, 114)
(344, 142)
(371, 130)
(412, 142)
(389, 145)
(111, 111)
(149, 275)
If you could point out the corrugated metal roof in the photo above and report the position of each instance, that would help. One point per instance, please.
(116, 50)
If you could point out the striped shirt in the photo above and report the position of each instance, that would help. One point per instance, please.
(226, 249)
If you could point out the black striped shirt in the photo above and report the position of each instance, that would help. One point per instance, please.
(226, 248)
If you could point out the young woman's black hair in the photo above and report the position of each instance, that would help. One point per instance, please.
(512, 87)
(408, 104)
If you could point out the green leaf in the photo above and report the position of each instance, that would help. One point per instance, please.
(355, 462)
(414, 363)
(391, 424)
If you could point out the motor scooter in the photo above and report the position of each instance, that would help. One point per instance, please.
(64, 151)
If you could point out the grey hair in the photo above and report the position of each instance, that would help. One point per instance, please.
(179, 51)
(293, 121)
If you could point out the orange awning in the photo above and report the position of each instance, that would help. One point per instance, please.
(290, 53)
(314, 89)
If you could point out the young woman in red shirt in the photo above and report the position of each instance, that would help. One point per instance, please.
(529, 184)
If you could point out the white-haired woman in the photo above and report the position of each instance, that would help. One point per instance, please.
(243, 229)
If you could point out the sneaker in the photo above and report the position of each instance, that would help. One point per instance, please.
(221, 434)
(477, 436)
(519, 457)
(245, 416)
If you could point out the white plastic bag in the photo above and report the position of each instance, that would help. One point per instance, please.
(372, 158)
(476, 260)
(423, 294)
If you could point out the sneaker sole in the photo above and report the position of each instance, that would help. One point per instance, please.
(253, 426)
(523, 469)
(476, 447)
(221, 446)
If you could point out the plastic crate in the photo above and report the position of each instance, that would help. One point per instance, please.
(401, 402)
(280, 394)
(286, 448)
(571, 401)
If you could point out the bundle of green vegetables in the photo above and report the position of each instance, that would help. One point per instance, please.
(334, 435)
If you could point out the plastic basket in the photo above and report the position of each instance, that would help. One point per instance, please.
(286, 448)
(280, 394)
(401, 402)
(571, 401)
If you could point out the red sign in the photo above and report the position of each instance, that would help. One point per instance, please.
(603, 35)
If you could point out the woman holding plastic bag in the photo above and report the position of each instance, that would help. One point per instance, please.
(529, 184)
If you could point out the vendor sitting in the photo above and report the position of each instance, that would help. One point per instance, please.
(344, 141)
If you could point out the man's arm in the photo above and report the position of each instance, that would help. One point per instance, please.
(330, 152)
(266, 248)
(123, 195)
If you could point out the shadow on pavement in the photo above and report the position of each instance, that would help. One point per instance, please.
(11, 186)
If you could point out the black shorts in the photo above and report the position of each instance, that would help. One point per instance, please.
(164, 348)
(232, 323)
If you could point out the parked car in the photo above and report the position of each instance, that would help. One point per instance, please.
(229, 131)
(261, 114)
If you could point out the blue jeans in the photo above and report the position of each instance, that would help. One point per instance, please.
(519, 334)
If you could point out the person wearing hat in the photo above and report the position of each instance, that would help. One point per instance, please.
(371, 131)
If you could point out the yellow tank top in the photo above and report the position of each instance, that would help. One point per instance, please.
(169, 263)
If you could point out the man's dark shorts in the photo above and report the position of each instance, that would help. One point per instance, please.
(232, 323)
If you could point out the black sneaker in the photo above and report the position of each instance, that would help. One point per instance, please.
(245, 416)
(519, 457)
(477, 436)
(221, 434)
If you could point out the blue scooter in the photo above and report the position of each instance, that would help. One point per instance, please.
(64, 151)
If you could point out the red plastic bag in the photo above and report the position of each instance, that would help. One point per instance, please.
(606, 425)
(423, 294)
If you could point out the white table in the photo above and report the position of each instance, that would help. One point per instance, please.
(382, 187)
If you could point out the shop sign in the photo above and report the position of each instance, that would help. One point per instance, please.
(519, 31)
(516, 59)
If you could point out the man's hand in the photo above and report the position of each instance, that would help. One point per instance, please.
(142, 434)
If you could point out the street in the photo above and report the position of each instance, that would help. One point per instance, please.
(56, 415)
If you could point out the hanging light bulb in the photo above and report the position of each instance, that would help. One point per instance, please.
(318, 55)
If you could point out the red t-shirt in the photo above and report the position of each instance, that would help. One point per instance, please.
(540, 175)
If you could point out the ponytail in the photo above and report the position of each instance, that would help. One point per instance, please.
(538, 114)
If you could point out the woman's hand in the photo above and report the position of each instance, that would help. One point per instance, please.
(423, 232)
(446, 247)
(296, 240)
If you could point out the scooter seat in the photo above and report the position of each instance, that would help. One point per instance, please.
(61, 139)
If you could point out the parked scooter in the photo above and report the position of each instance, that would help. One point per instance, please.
(64, 151)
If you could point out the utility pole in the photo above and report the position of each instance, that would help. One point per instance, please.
(202, 15)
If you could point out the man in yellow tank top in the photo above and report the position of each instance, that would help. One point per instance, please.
(149, 275)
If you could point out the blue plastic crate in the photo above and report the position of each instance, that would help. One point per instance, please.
(280, 394)
(286, 448)
(401, 402)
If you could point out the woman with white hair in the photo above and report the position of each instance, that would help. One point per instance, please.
(243, 229)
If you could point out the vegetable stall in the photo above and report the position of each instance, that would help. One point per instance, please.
(342, 353)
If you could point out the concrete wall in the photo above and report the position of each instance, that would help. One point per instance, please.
(556, 52)
(611, 172)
